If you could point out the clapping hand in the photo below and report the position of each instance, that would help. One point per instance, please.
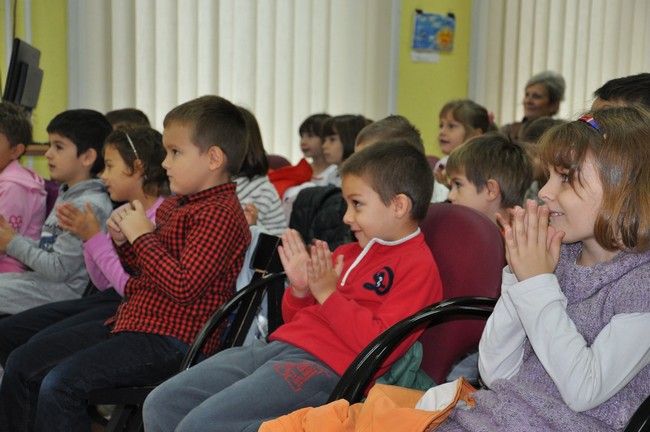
(131, 221)
(294, 257)
(532, 245)
(82, 223)
(322, 276)
(7, 233)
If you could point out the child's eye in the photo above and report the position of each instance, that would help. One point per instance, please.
(356, 203)
(565, 177)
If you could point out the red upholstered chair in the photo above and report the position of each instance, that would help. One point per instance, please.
(277, 161)
(433, 160)
(470, 254)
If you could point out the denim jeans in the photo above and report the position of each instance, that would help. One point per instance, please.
(16, 330)
(47, 380)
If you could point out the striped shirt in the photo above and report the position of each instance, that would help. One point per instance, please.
(261, 192)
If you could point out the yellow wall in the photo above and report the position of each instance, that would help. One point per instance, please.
(49, 34)
(423, 88)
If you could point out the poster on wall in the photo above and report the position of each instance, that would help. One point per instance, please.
(432, 34)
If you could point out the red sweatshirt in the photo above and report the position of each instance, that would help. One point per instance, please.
(379, 286)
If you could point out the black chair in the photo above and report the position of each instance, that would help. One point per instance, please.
(359, 374)
(269, 280)
(640, 421)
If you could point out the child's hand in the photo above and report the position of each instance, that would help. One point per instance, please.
(83, 224)
(294, 257)
(115, 232)
(440, 174)
(133, 221)
(321, 275)
(250, 211)
(532, 246)
(7, 233)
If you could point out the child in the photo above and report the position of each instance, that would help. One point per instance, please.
(317, 172)
(489, 173)
(182, 271)
(316, 211)
(393, 128)
(56, 262)
(530, 137)
(22, 191)
(127, 118)
(335, 306)
(625, 91)
(257, 195)
(311, 145)
(339, 135)
(397, 128)
(567, 346)
(459, 121)
(132, 171)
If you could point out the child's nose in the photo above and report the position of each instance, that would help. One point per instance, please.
(347, 217)
(545, 193)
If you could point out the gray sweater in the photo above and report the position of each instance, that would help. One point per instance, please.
(56, 261)
(530, 400)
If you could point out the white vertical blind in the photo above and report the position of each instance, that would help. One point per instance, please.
(282, 59)
(587, 41)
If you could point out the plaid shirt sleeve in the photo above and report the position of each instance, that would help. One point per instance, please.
(126, 252)
(207, 233)
(127, 256)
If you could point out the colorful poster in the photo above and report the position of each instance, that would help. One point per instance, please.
(433, 32)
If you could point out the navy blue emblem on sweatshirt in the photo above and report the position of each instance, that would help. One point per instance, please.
(383, 281)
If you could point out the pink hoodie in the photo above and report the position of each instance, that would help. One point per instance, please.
(22, 203)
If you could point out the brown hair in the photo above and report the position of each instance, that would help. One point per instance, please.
(494, 156)
(472, 115)
(393, 168)
(217, 122)
(621, 154)
(149, 150)
(391, 128)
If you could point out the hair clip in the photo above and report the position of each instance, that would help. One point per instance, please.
(132, 146)
(589, 119)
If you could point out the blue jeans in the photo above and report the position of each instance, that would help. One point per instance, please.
(47, 380)
(15, 330)
(239, 388)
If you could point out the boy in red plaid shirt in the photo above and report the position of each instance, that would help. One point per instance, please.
(181, 272)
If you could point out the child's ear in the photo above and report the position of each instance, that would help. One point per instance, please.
(493, 189)
(16, 151)
(138, 168)
(88, 157)
(216, 158)
(402, 205)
